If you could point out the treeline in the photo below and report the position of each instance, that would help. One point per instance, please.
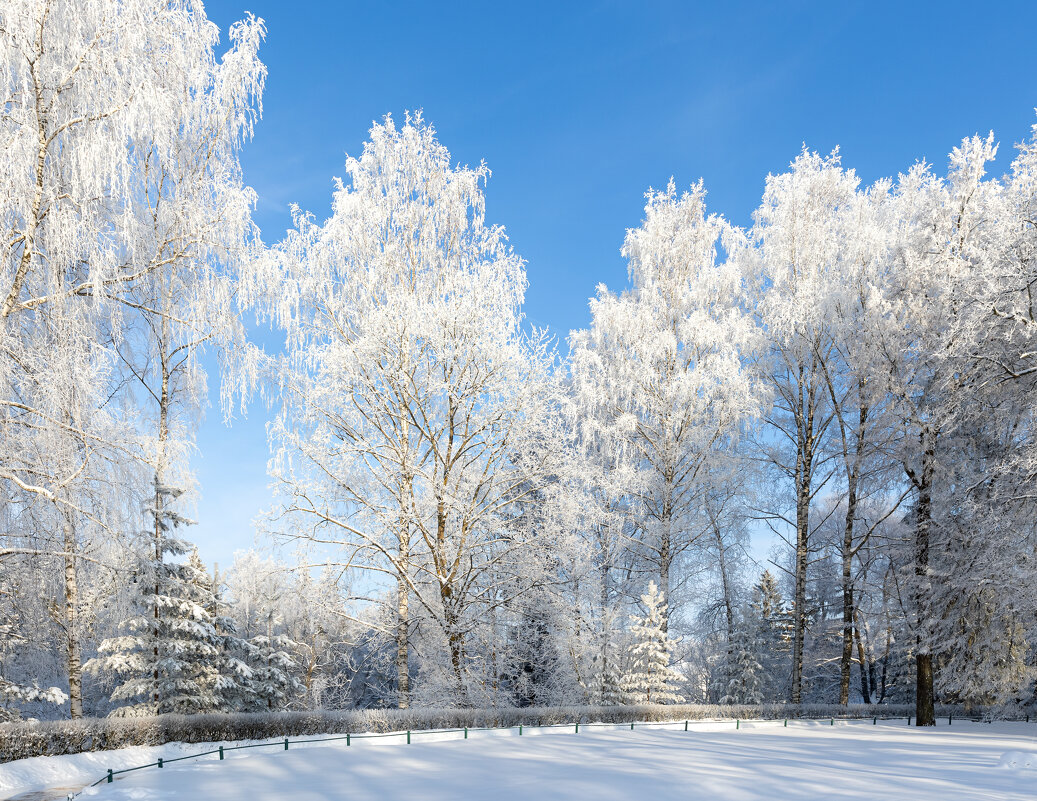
(472, 513)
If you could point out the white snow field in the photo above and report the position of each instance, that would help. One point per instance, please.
(712, 761)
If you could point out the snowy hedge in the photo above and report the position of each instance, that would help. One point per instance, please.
(28, 739)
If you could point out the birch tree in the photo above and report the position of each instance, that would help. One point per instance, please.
(795, 244)
(98, 102)
(663, 368)
(416, 414)
(942, 234)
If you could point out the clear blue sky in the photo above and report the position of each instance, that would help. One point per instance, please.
(578, 108)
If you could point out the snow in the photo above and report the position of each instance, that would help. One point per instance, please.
(1018, 760)
(713, 760)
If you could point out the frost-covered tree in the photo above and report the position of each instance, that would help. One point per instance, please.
(119, 127)
(416, 414)
(744, 670)
(767, 606)
(793, 253)
(661, 370)
(298, 624)
(13, 638)
(602, 487)
(273, 682)
(649, 678)
(168, 656)
(942, 237)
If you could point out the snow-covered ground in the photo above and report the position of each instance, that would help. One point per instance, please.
(712, 761)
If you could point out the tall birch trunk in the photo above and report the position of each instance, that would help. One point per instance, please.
(158, 533)
(666, 552)
(606, 630)
(867, 666)
(403, 619)
(725, 585)
(73, 645)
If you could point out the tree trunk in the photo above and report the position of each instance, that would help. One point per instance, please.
(456, 643)
(403, 623)
(847, 579)
(73, 646)
(725, 584)
(606, 633)
(800, 599)
(866, 666)
(665, 559)
(925, 712)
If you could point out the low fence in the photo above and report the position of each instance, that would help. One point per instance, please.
(410, 735)
(24, 739)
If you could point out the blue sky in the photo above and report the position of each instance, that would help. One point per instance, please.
(579, 107)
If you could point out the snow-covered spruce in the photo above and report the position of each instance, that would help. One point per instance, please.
(650, 679)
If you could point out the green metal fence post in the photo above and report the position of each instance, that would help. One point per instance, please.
(736, 722)
(285, 743)
(221, 752)
(347, 738)
(577, 727)
(875, 721)
(786, 723)
(110, 775)
(833, 722)
(466, 732)
(908, 720)
(685, 725)
(520, 730)
(408, 736)
(949, 718)
(160, 762)
(631, 725)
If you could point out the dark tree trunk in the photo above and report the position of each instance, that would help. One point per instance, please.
(848, 602)
(800, 598)
(867, 667)
(924, 695)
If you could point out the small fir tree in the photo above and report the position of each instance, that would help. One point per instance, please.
(743, 668)
(273, 683)
(611, 686)
(168, 657)
(650, 679)
(235, 677)
(775, 631)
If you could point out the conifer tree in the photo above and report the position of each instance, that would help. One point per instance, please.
(743, 668)
(273, 682)
(234, 675)
(651, 680)
(168, 657)
(775, 635)
(610, 686)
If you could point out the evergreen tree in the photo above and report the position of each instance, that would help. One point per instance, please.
(743, 668)
(273, 683)
(611, 686)
(651, 680)
(775, 634)
(168, 657)
(234, 676)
